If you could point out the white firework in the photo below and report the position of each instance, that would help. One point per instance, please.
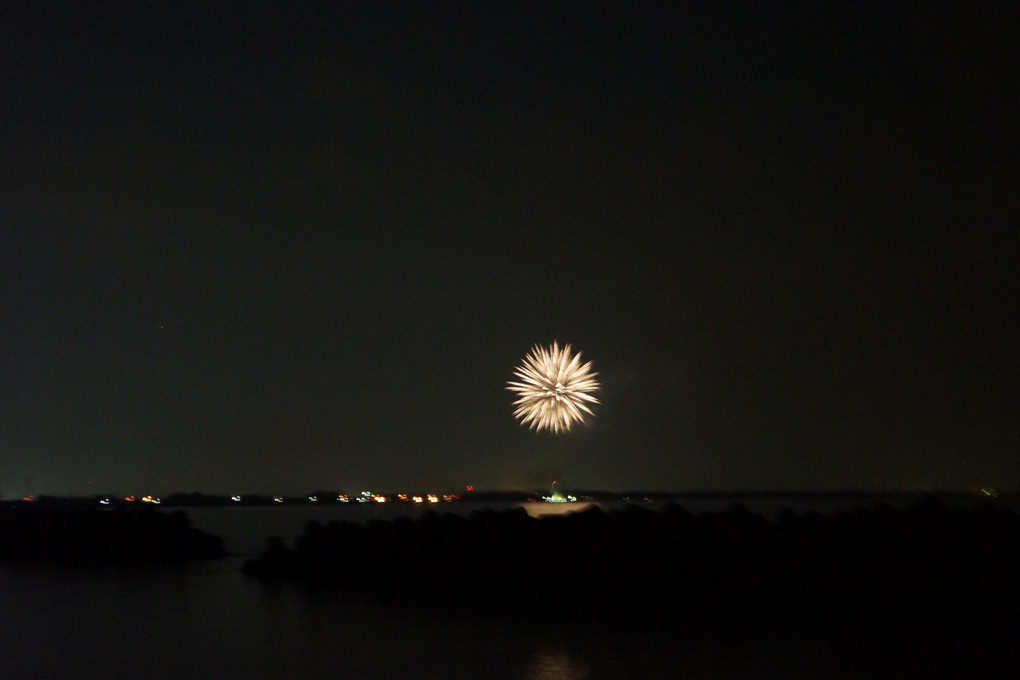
(553, 389)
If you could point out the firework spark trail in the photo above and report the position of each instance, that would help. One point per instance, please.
(553, 389)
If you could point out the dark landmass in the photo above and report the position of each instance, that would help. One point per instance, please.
(929, 561)
(69, 533)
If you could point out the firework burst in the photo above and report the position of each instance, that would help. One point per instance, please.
(553, 389)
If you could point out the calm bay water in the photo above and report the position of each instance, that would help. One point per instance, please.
(207, 620)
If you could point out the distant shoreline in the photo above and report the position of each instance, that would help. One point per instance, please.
(321, 497)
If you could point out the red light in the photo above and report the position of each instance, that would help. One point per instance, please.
(470, 487)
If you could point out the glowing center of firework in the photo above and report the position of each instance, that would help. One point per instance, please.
(554, 388)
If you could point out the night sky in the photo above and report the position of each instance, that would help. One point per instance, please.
(277, 247)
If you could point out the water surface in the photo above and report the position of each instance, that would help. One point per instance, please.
(208, 620)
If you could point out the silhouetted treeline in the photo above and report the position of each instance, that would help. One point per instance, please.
(76, 535)
(926, 560)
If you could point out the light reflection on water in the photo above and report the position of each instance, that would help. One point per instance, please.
(545, 509)
(555, 664)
